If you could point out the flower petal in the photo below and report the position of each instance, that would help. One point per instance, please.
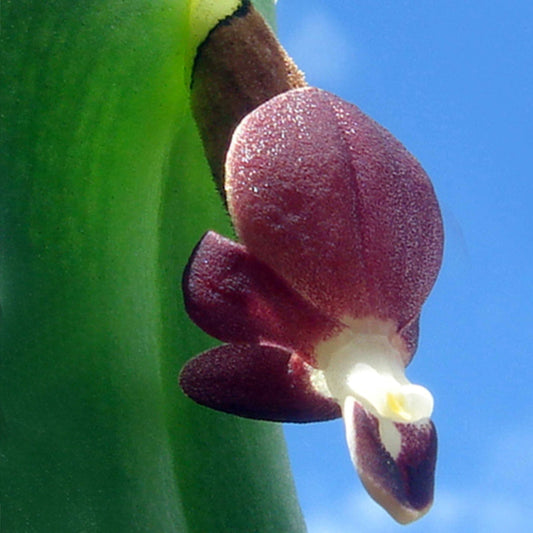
(261, 382)
(409, 337)
(236, 298)
(396, 461)
(333, 203)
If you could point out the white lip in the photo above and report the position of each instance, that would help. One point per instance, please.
(387, 396)
(362, 363)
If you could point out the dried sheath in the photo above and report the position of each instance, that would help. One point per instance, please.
(239, 66)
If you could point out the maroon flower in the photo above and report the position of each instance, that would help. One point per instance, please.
(341, 243)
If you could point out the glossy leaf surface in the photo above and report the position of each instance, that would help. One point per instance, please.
(103, 191)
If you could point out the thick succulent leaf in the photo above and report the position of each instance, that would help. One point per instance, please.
(104, 190)
(396, 462)
(236, 298)
(262, 382)
(335, 205)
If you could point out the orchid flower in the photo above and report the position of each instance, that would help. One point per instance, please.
(318, 304)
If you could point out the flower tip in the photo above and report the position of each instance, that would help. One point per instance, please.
(403, 514)
(395, 461)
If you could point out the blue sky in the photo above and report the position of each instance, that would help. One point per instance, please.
(453, 81)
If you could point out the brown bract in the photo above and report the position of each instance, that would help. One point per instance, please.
(239, 66)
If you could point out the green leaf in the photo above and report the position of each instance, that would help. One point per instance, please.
(104, 191)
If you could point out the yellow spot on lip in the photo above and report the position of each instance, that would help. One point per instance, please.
(396, 404)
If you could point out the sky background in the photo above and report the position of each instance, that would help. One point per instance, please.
(453, 81)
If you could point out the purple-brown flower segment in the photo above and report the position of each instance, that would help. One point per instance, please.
(318, 305)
